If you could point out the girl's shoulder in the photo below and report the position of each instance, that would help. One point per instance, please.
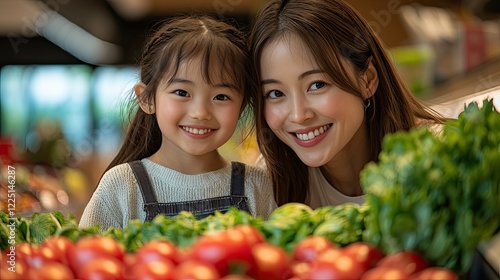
(253, 169)
(118, 170)
(256, 175)
(119, 174)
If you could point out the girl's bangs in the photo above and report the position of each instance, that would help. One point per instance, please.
(221, 61)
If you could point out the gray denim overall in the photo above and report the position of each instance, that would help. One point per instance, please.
(200, 208)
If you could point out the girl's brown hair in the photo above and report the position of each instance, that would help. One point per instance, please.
(335, 33)
(225, 58)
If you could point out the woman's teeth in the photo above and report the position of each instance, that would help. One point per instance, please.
(197, 130)
(313, 134)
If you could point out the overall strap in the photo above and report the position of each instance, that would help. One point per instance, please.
(238, 178)
(144, 183)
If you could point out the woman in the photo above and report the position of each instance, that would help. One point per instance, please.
(329, 95)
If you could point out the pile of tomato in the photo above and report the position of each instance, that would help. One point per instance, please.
(237, 253)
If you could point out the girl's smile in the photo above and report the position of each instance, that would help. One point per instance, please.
(197, 132)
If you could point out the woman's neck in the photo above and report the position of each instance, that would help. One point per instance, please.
(343, 171)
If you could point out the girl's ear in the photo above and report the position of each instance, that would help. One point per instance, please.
(147, 107)
(370, 78)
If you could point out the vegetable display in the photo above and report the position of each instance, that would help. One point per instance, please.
(240, 252)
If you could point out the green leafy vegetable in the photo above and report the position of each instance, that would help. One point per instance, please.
(437, 195)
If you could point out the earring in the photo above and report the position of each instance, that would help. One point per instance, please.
(367, 104)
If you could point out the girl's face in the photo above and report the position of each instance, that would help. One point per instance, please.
(318, 120)
(195, 117)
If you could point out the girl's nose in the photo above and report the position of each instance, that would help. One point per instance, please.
(200, 111)
(300, 111)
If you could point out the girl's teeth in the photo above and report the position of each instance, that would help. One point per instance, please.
(312, 134)
(196, 130)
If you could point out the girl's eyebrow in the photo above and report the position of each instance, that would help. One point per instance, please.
(301, 76)
(180, 81)
(189, 82)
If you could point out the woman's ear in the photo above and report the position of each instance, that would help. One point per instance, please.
(370, 78)
(147, 107)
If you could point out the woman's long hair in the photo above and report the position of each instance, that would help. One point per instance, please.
(335, 33)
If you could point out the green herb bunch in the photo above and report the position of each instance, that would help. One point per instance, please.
(437, 194)
(38, 227)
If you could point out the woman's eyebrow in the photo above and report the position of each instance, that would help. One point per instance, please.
(310, 72)
(269, 81)
(301, 76)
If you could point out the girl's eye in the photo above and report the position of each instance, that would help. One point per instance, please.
(316, 85)
(221, 97)
(273, 94)
(181, 92)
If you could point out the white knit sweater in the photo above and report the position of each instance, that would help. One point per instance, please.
(118, 198)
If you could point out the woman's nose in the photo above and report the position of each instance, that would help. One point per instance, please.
(300, 111)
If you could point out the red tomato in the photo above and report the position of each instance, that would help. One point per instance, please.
(13, 267)
(108, 268)
(308, 249)
(213, 249)
(364, 253)
(300, 269)
(129, 259)
(329, 255)
(152, 270)
(271, 262)
(343, 267)
(241, 239)
(194, 270)
(23, 249)
(92, 247)
(60, 245)
(410, 261)
(39, 256)
(252, 235)
(51, 270)
(156, 250)
(381, 272)
(236, 277)
(435, 273)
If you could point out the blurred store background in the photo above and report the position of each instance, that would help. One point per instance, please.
(66, 67)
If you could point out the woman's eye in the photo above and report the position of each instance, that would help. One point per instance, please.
(181, 92)
(316, 85)
(221, 97)
(273, 94)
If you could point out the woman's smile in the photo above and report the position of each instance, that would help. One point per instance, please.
(304, 136)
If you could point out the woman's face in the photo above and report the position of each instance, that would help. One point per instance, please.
(317, 119)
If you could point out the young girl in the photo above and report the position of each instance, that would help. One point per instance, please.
(329, 95)
(196, 80)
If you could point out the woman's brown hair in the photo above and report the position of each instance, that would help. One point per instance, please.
(335, 33)
(225, 57)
